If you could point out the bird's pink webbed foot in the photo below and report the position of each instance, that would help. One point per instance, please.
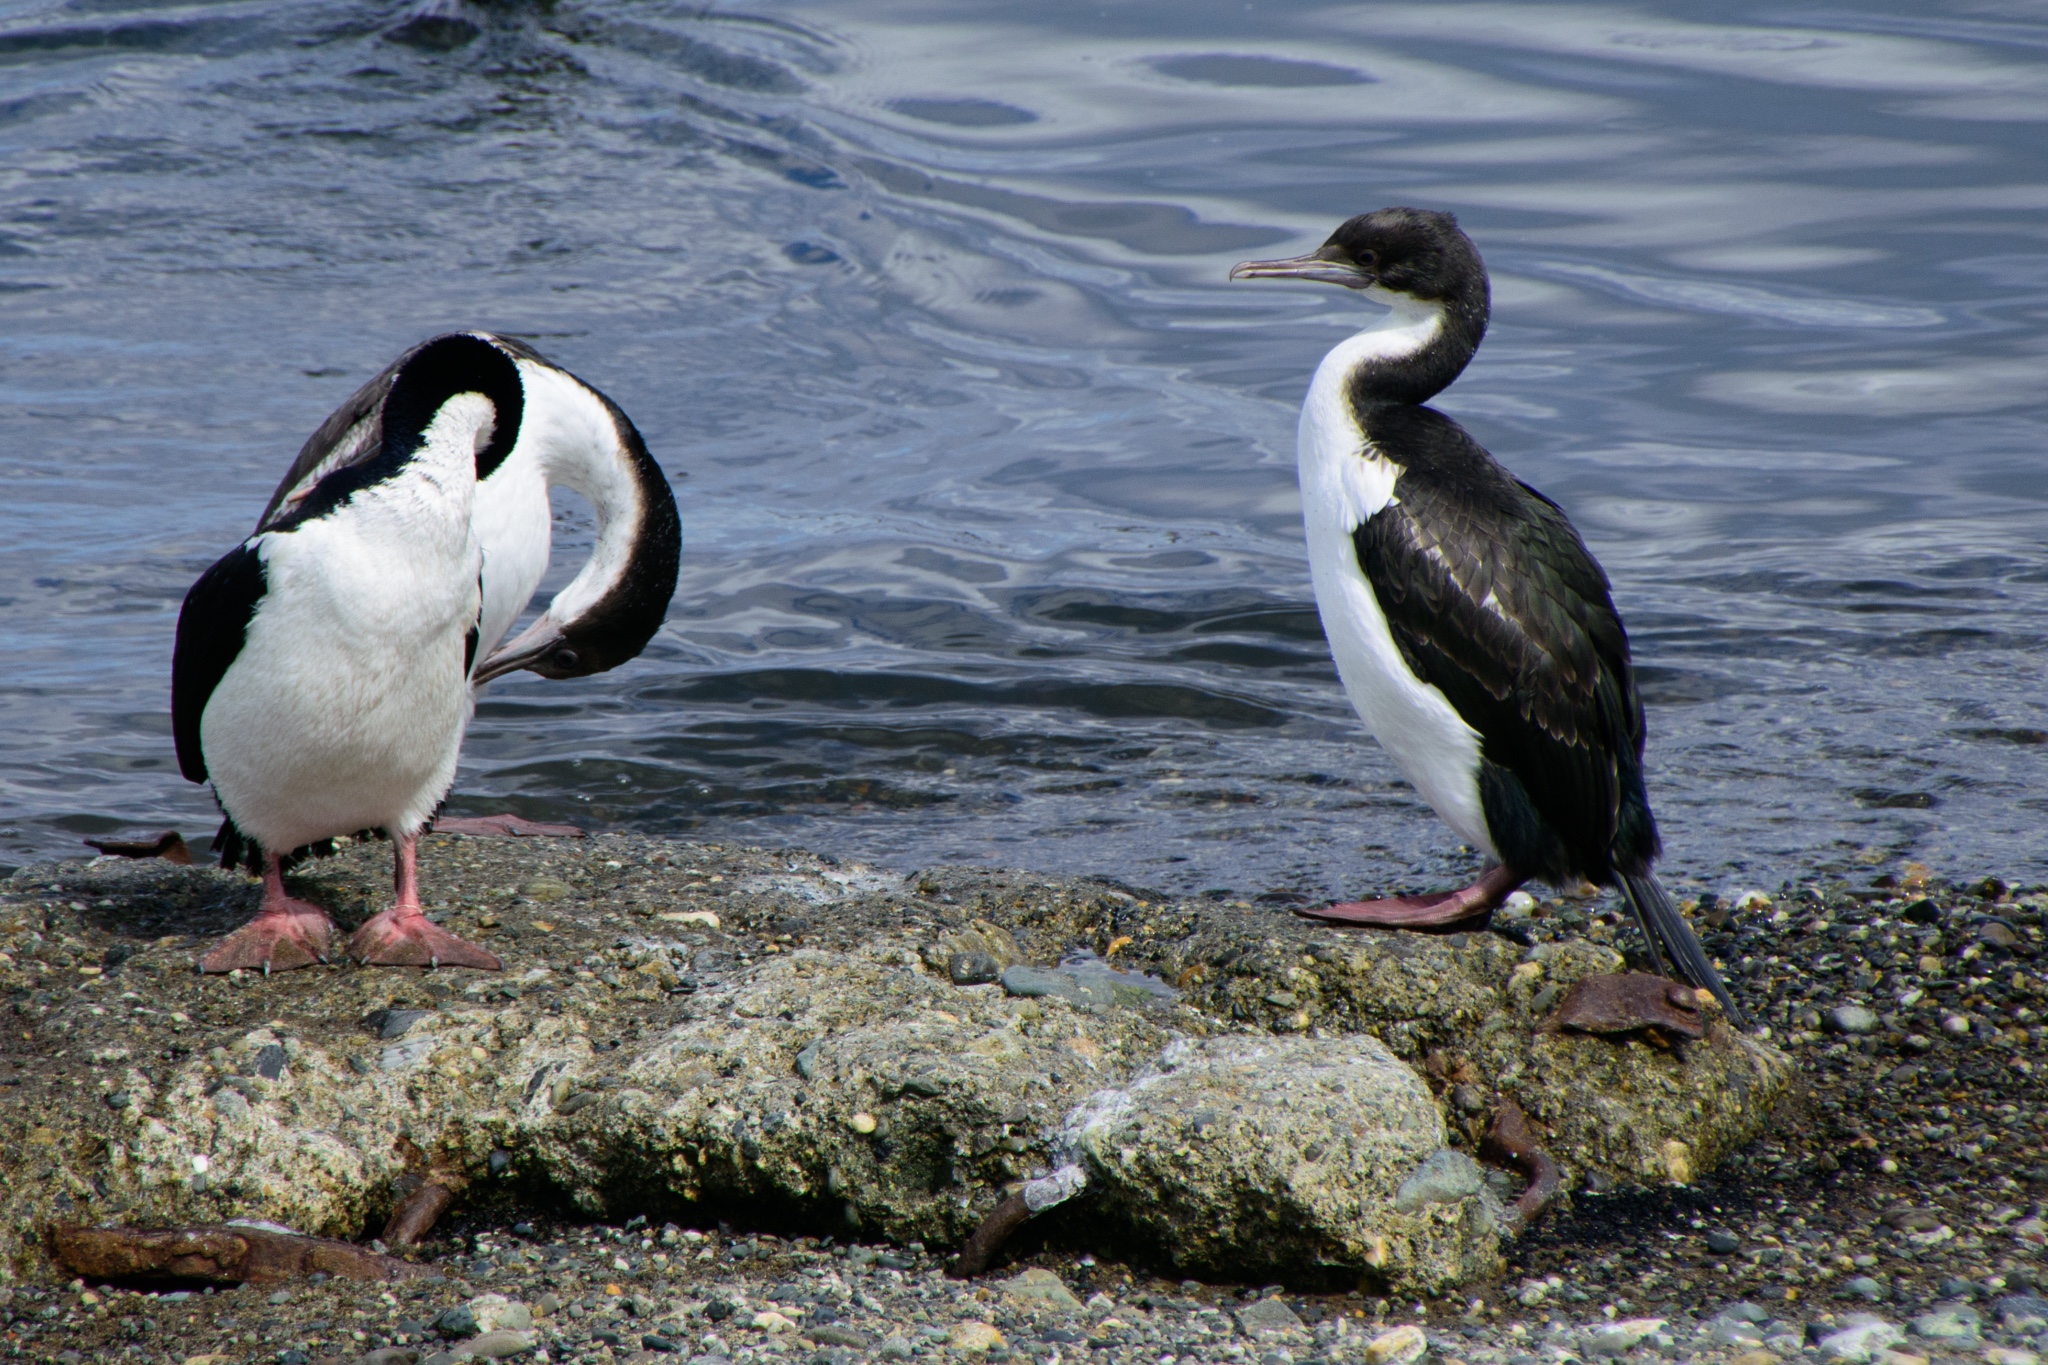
(285, 935)
(403, 936)
(1441, 910)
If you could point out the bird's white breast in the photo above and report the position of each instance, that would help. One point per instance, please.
(1344, 482)
(346, 707)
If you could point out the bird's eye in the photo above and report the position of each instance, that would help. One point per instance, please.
(1368, 257)
(566, 659)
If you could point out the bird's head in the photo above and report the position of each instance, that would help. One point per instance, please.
(1416, 254)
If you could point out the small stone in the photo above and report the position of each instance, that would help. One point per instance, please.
(2008, 1355)
(1852, 1019)
(660, 1345)
(1398, 1347)
(862, 1124)
(1745, 1311)
(458, 1321)
(1860, 1342)
(898, 1348)
(2021, 1312)
(496, 1313)
(1723, 1243)
(497, 1345)
(1955, 1026)
(1953, 1322)
(1733, 1332)
(119, 1099)
(1619, 1338)
(768, 1320)
(837, 1334)
(1917, 1043)
(1041, 1289)
(1863, 1287)
(1758, 1357)
(973, 969)
(1269, 1318)
(975, 1337)
(1444, 1177)
(1034, 982)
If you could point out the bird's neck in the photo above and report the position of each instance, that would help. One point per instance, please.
(585, 444)
(1411, 354)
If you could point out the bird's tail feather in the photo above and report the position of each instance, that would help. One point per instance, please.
(1671, 937)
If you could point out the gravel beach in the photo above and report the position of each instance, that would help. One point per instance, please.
(1893, 1212)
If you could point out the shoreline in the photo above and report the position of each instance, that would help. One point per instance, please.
(1906, 1170)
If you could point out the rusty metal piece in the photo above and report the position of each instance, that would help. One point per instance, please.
(170, 846)
(416, 1216)
(983, 1244)
(1512, 1143)
(1626, 1002)
(217, 1253)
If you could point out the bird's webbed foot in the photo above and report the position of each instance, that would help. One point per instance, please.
(285, 935)
(404, 937)
(1467, 907)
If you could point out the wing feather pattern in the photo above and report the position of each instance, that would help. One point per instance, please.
(1493, 599)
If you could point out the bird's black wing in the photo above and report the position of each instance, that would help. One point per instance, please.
(212, 627)
(1492, 597)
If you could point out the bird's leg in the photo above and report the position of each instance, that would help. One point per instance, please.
(1472, 903)
(285, 934)
(403, 936)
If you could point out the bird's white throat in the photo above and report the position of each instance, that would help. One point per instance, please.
(1343, 480)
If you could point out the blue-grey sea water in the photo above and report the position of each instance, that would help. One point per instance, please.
(993, 548)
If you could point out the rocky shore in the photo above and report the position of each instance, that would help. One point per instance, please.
(738, 1104)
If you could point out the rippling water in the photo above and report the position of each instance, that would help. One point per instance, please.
(992, 543)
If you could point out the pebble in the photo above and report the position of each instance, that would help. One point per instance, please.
(1041, 1289)
(898, 1348)
(1619, 1338)
(1723, 1243)
(458, 1321)
(1860, 1341)
(1398, 1347)
(2021, 1313)
(1863, 1287)
(1953, 1322)
(975, 1337)
(1852, 1019)
(1268, 1318)
(1444, 1178)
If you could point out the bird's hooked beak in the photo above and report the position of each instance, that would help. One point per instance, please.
(541, 647)
(1327, 264)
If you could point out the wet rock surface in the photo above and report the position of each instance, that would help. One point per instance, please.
(630, 966)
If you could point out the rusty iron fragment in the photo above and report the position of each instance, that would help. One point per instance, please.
(219, 1253)
(1512, 1143)
(985, 1241)
(416, 1216)
(1626, 1002)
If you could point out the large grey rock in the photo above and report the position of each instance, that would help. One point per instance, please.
(1287, 1156)
(683, 1022)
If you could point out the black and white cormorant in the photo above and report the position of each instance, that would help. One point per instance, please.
(570, 436)
(1474, 632)
(547, 428)
(321, 677)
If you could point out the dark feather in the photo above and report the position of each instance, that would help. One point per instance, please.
(212, 627)
(1492, 598)
(353, 435)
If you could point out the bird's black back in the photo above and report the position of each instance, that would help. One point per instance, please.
(1493, 599)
